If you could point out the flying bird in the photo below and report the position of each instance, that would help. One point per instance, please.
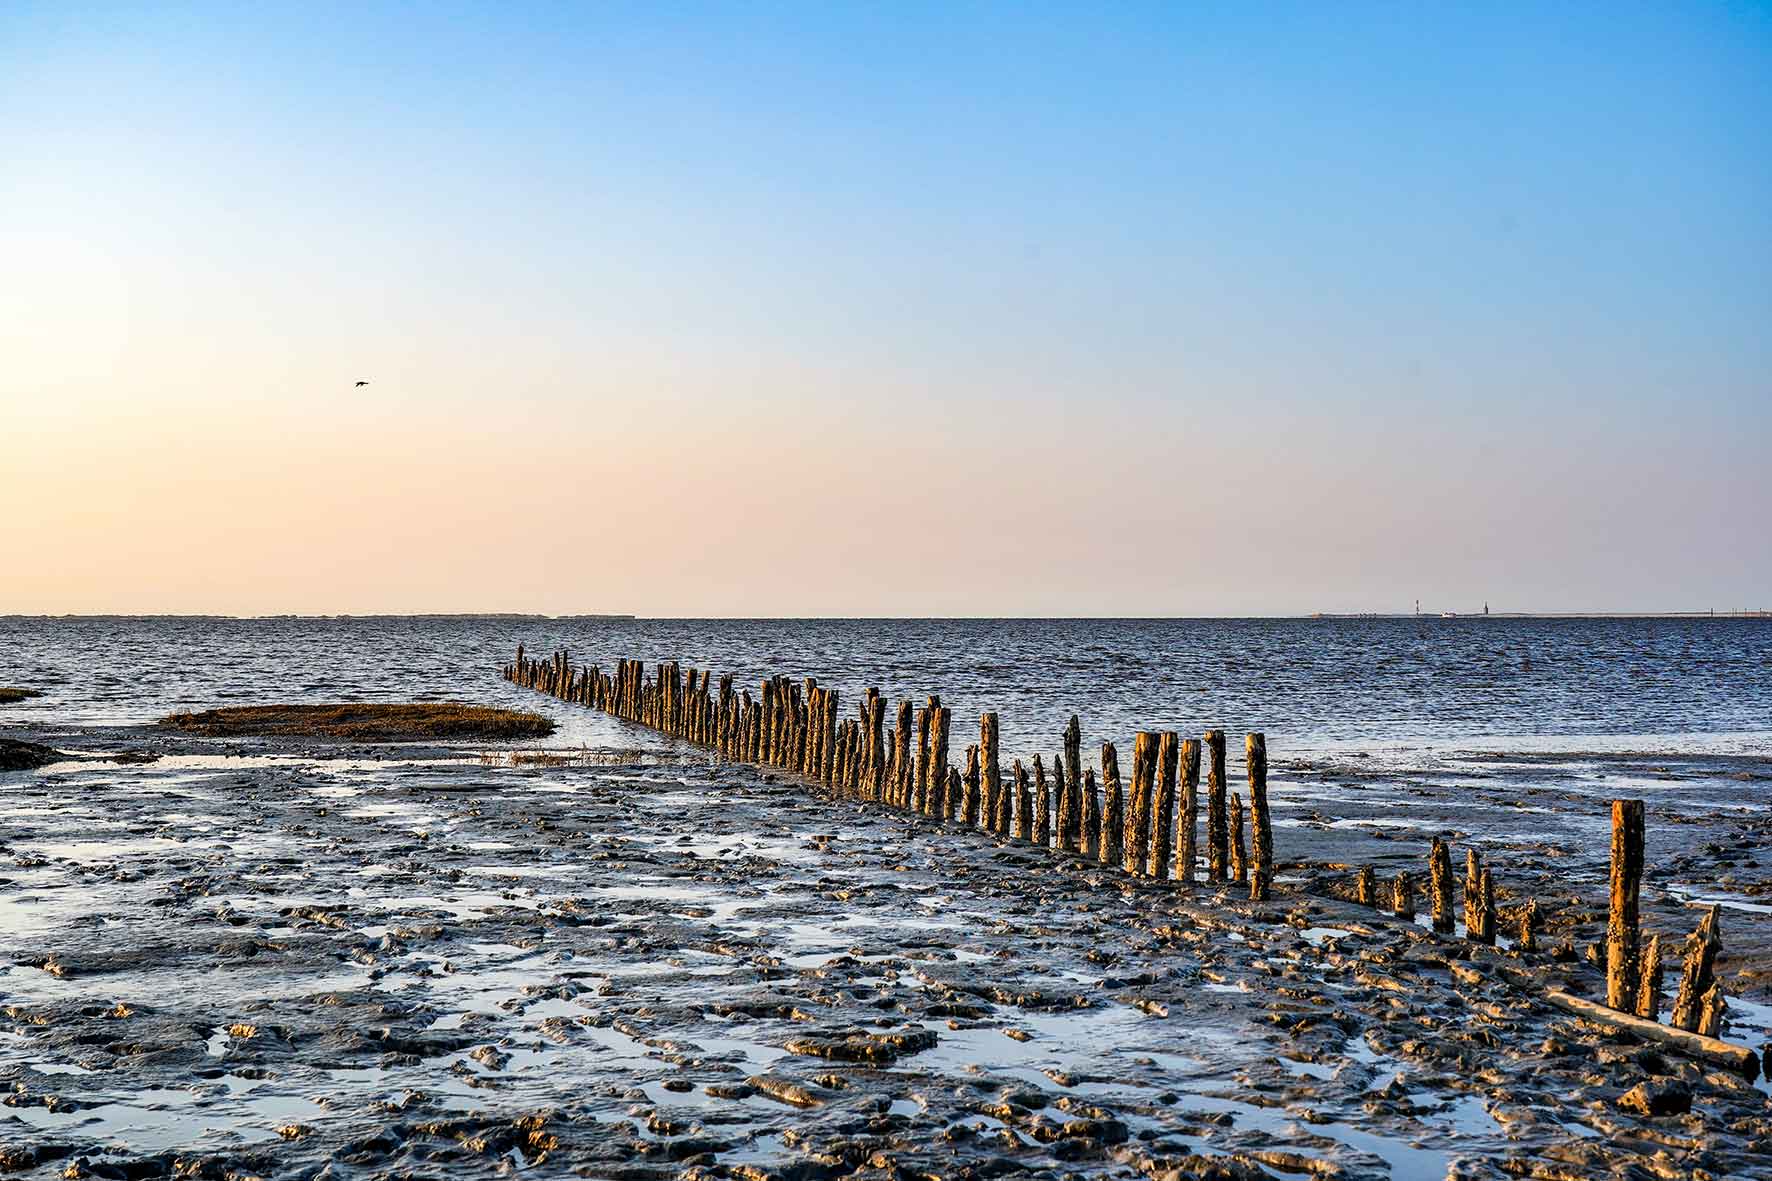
(361, 384)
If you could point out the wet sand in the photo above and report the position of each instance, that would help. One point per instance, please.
(274, 959)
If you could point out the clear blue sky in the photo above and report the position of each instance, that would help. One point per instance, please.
(1166, 308)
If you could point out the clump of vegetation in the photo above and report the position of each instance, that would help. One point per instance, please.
(26, 756)
(363, 722)
(9, 695)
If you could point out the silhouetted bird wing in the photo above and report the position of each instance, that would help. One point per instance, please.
(362, 383)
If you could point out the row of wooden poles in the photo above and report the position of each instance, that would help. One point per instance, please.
(798, 727)
(1633, 968)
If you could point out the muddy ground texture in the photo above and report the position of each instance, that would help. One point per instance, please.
(257, 958)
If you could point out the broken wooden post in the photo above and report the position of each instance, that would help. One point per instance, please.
(970, 816)
(1486, 932)
(1621, 920)
(955, 792)
(1091, 816)
(1188, 833)
(1704, 1047)
(1528, 940)
(1163, 804)
(1366, 886)
(1113, 821)
(1239, 858)
(1698, 973)
(1473, 892)
(1649, 981)
(1261, 830)
(1042, 806)
(1403, 896)
(1439, 864)
(1064, 838)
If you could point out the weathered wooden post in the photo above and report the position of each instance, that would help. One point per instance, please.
(956, 790)
(1163, 804)
(1649, 981)
(1528, 940)
(1066, 839)
(1486, 934)
(1073, 796)
(828, 747)
(970, 818)
(924, 774)
(1366, 886)
(1622, 919)
(1091, 816)
(1440, 880)
(1141, 804)
(1186, 851)
(1042, 806)
(1239, 858)
(1261, 828)
(1698, 973)
(993, 778)
(901, 755)
(1473, 892)
(876, 764)
(1403, 896)
(1024, 804)
(939, 716)
(1113, 822)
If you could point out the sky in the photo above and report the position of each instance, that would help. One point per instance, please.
(885, 309)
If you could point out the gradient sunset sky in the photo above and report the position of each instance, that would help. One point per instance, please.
(891, 309)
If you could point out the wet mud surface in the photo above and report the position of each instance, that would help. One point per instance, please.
(251, 959)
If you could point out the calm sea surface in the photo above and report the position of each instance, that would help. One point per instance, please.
(1310, 684)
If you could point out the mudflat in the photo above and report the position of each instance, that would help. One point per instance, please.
(261, 957)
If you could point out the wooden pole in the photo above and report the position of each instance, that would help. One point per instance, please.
(1024, 804)
(1042, 806)
(1239, 859)
(1139, 806)
(1622, 920)
(1366, 886)
(938, 750)
(1528, 926)
(1186, 852)
(901, 755)
(1065, 839)
(1260, 826)
(1113, 821)
(1163, 804)
(993, 778)
(1073, 796)
(1440, 879)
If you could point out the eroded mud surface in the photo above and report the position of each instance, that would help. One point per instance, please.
(306, 963)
